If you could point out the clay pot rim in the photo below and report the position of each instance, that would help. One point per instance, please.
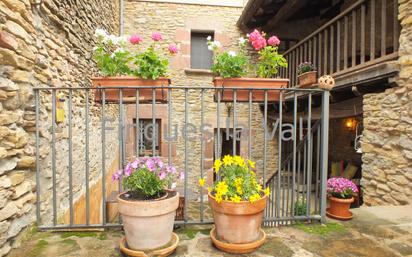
(241, 202)
(308, 72)
(341, 200)
(251, 79)
(160, 199)
(127, 78)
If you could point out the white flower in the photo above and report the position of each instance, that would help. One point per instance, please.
(210, 47)
(113, 39)
(100, 33)
(122, 40)
(95, 48)
(242, 41)
(209, 38)
(232, 53)
(217, 44)
(173, 186)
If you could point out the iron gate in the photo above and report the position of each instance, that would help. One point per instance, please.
(84, 134)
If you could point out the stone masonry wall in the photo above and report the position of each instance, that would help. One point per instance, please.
(175, 22)
(50, 45)
(387, 141)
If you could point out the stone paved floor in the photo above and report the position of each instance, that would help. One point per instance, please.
(376, 231)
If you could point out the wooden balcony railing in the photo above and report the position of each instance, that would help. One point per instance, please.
(365, 34)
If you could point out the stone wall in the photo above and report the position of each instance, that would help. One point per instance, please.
(175, 22)
(41, 47)
(387, 141)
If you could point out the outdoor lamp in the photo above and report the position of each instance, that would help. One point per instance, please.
(36, 3)
(350, 123)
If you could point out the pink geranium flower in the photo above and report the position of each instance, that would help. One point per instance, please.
(273, 41)
(257, 40)
(173, 49)
(156, 36)
(135, 39)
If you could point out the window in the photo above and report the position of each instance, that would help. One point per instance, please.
(200, 56)
(145, 140)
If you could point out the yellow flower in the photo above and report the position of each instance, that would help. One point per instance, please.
(259, 188)
(201, 182)
(251, 164)
(239, 161)
(217, 165)
(235, 199)
(218, 198)
(267, 191)
(221, 188)
(227, 160)
(209, 189)
(254, 198)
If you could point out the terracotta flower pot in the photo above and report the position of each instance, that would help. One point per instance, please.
(129, 95)
(226, 95)
(238, 223)
(148, 224)
(307, 79)
(339, 208)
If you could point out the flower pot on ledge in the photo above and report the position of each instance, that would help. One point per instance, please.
(307, 79)
(226, 94)
(339, 208)
(129, 95)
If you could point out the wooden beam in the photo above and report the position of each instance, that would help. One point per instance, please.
(287, 10)
(250, 9)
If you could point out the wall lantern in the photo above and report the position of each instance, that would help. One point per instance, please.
(350, 123)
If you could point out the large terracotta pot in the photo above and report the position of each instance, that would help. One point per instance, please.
(129, 95)
(148, 224)
(226, 95)
(307, 79)
(238, 223)
(339, 208)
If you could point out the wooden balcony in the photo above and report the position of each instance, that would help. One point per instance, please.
(358, 46)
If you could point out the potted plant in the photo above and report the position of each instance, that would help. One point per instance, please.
(148, 205)
(230, 68)
(306, 74)
(237, 201)
(119, 66)
(340, 191)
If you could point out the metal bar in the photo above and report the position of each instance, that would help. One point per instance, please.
(292, 77)
(249, 141)
(186, 156)
(279, 155)
(234, 139)
(354, 38)
(299, 173)
(362, 39)
(137, 125)
(87, 159)
(295, 124)
(304, 186)
(103, 131)
(320, 54)
(265, 121)
(338, 45)
(310, 149)
(70, 141)
(121, 163)
(288, 189)
(202, 148)
(383, 28)
(315, 56)
(37, 106)
(345, 43)
(169, 125)
(317, 171)
(324, 154)
(218, 128)
(310, 51)
(154, 130)
(54, 156)
(372, 31)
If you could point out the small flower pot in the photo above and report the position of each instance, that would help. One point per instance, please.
(339, 208)
(242, 95)
(307, 79)
(129, 95)
(238, 223)
(148, 224)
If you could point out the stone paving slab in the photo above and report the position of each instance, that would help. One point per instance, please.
(371, 233)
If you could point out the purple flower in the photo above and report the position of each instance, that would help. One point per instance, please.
(135, 164)
(156, 36)
(341, 187)
(150, 164)
(117, 175)
(162, 175)
(182, 175)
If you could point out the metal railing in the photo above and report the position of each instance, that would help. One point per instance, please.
(75, 157)
(365, 34)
